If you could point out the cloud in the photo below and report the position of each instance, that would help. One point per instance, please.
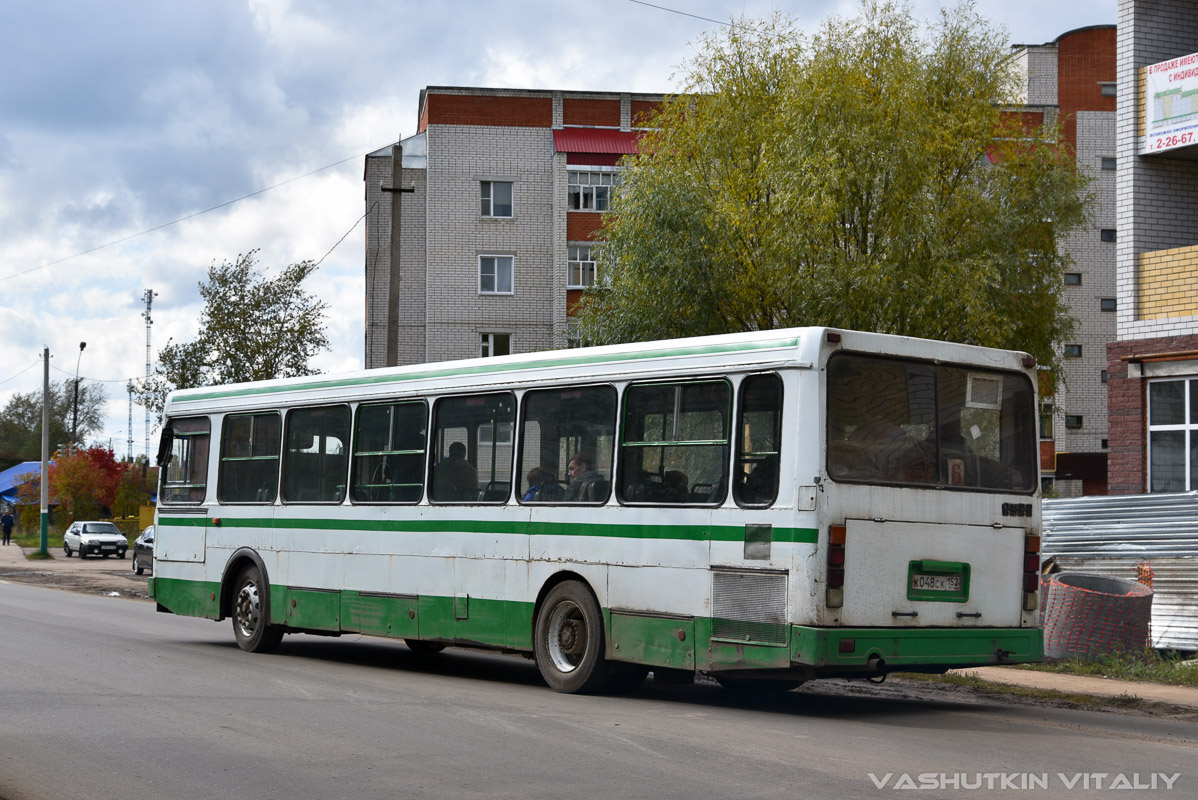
(120, 118)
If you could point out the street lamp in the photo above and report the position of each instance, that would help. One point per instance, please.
(75, 413)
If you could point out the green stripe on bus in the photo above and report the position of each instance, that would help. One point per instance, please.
(486, 369)
(695, 533)
(639, 637)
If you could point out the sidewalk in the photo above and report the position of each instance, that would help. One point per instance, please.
(1184, 696)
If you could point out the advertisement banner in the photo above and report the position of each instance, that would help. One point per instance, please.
(1171, 97)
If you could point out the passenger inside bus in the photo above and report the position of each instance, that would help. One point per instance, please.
(586, 485)
(454, 478)
(543, 487)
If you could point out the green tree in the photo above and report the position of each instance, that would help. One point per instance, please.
(865, 178)
(252, 328)
(21, 420)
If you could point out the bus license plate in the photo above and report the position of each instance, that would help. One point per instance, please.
(936, 583)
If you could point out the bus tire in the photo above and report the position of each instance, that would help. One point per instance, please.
(568, 641)
(251, 610)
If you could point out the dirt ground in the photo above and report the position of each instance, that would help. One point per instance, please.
(103, 576)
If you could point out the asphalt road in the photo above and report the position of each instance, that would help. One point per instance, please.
(102, 697)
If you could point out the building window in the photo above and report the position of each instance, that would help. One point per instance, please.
(1109, 162)
(495, 344)
(1073, 421)
(1173, 435)
(581, 267)
(1046, 421)
(1073, 279)
(1104, 376)
(496, 198)
(591, 191)
(1108, 234)
(494, 274)
(1109, 88)
(573, 333)
(1107, 304)
(1103, 444)
(1073, 351)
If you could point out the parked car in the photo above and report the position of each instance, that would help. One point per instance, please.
(143, 551)
(94, 539)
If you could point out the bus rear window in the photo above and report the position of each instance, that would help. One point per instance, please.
(916, 423)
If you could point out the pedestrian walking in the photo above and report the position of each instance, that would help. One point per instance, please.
(6, 522)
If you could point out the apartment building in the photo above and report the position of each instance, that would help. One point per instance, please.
(480, 225)
(1072, 80)
(1153, 363)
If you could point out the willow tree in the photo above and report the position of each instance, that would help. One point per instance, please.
(870, 177)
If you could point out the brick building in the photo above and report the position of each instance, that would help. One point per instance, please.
(1153, 364)
(494, 202)
(1073, 79)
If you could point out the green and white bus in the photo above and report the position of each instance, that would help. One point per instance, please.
(766, 508)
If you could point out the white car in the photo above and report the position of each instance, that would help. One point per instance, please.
(94, 539)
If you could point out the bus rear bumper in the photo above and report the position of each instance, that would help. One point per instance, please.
(874, 650)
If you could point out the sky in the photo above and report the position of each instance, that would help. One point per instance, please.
(141, 141)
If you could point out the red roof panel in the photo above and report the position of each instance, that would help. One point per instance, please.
(595, 140)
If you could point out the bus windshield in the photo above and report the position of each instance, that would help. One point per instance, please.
(918, 423)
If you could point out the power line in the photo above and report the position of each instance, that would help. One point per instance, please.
(342, 239)
(22, 372)
(680, 13)
(185, 218)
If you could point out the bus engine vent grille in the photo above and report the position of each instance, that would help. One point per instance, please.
(749, 607)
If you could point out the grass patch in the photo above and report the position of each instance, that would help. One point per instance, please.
(1146, 665)
(1053, 696)
(31, 539)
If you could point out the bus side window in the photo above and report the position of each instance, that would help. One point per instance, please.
(471, 458)
(759, 437)
(314, 463)
(674, 443)
(249, 458)
(566, 447)
(389, 450)
(185, 460)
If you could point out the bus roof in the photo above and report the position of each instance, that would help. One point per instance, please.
(796, 347)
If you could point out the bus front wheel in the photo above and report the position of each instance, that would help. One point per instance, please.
(250, 613)
(568, 641)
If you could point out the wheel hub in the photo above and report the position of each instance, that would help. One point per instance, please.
(570, 638)
(248, 609)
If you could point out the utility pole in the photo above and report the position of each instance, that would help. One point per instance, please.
(45, 450)
(397, 191)
(148, 297)
(75, 412)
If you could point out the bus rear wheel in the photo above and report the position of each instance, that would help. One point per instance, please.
(251, 611)
(568, 640)
(422, 648)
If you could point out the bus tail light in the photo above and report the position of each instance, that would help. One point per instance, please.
(1031, 572)
(835, 590)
